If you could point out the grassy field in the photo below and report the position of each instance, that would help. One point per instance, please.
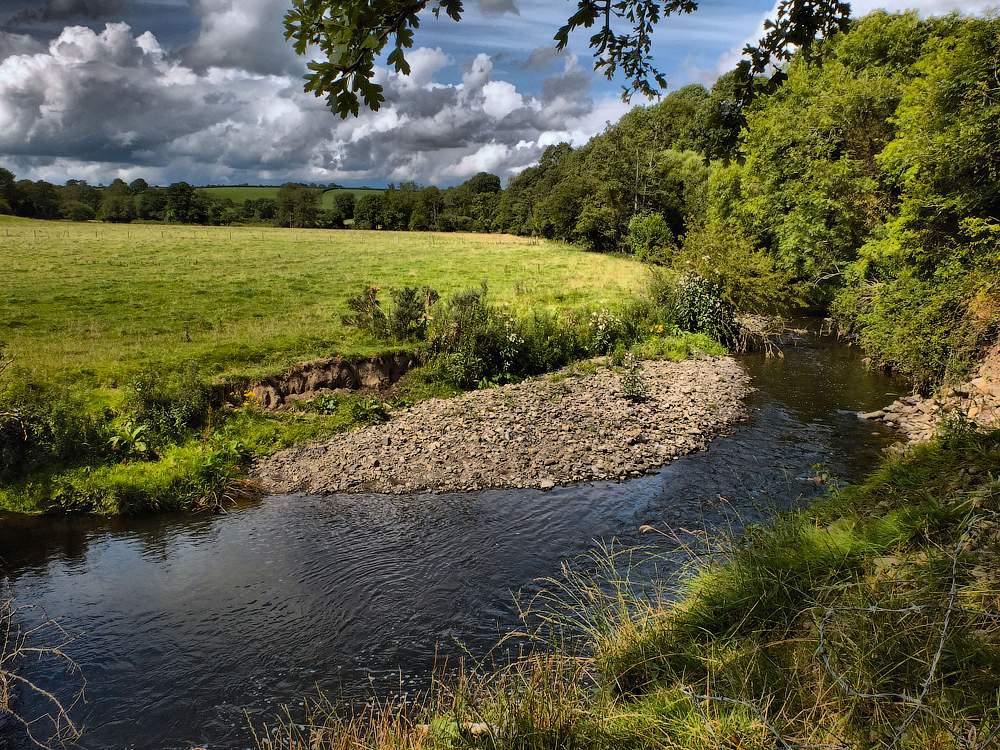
(239, 194)
(93, 301)
(114, 336)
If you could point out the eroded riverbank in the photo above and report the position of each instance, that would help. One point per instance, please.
(570, 427)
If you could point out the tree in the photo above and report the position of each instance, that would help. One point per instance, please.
(117, 208)
(484, 182)
(7, 186)
(397, 205)
(137, 186)
(921, 298)
(649, 237)
(343, 202)
(351, 35)
(78, 191)
(297, 206)
(151, 204)
(368, 211)
(812, 189)
(36, 200)
(180, 204)
(76, 211)
(720, 118)
(117, 205)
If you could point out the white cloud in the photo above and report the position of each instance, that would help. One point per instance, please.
(109, 103)
(500, 99)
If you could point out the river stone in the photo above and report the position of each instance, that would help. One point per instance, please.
(537, 433)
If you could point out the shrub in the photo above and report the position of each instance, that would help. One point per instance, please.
(649, 238)
(369, 410)
(634, 386)
(44, 425)
(605, 331)
(168, 403)
(405, 320)
(698, 308)
(184, 478)
(367, 313)
(746, 277)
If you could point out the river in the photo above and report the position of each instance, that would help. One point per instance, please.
(185, 625)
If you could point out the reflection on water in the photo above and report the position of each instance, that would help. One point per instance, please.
(183, 623)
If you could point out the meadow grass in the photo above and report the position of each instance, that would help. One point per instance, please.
(92, 302)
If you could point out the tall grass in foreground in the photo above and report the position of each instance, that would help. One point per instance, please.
(868, 621)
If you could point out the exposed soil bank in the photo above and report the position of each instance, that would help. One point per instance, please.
(977, 400)
(538, 433)
(311, 379)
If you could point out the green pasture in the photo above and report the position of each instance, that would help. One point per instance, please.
(89, 303)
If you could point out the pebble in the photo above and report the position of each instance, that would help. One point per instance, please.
(978, 400)
(539, 433)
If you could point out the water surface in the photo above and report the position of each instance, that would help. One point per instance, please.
(183, 623)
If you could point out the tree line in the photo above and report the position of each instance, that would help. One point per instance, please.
(294, 205)
(866, 184)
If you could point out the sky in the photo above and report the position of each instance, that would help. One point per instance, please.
(209, 92)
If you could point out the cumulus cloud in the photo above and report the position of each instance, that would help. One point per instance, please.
(101, 104)
(18, 44)
(245, 34)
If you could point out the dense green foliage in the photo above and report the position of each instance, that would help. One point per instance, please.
(468, 340)
(290, 205)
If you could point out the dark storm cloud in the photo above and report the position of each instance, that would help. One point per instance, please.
(67, 10)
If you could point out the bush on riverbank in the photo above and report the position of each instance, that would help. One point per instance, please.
(869, 619)
(470, 341)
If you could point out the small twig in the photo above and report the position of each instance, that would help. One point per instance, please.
(14, 646)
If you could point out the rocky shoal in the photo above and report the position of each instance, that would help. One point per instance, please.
(977, 400)
(558, 429)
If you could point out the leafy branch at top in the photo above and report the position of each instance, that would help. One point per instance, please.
(351, 34)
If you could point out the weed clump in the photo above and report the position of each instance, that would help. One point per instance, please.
(634, 386)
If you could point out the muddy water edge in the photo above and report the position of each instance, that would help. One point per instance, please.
(185, 625)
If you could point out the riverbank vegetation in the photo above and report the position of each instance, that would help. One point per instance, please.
(129, 350)
(867, 620)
